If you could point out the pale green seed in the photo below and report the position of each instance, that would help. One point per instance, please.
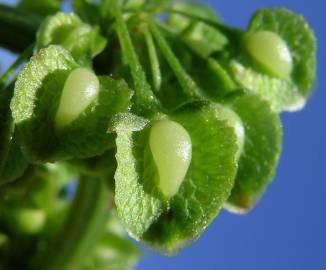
(80, 90)
(171, 148)
(224, 113)
(271, 52)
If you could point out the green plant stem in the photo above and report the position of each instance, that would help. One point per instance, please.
(83, 227)
(153, 57)
(143, 92)
(17, 28)
(19, 60)
(188, 85)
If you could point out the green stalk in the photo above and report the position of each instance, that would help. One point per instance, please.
(17, 28)
(188, 85)
(83, 227)
(153, 57)
(144, 97)
(19, 60)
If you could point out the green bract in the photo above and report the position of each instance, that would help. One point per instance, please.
(281, 94)
(261, 150)
(170, 224)
(36, 102)
(67, 30)
(299, 38)
(297, 73)
(224, 113)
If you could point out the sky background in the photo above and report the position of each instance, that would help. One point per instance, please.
(287, 230)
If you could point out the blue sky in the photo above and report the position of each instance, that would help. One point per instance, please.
(287, 230)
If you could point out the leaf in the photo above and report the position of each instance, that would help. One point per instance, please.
(283, 95)
(67, 30)
(261, 150)
(40, 7)
(198, 35)
(143, 210)
(34, 105)
(295, 31)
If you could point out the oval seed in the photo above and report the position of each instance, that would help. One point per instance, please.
(80, 90)
(269, 50)
(171, 148)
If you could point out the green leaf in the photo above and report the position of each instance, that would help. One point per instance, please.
(294, 30)
(36, 100)
(283, 95)
(144, 211)
(261, 150)
(67, 30)
(40, 7)
(198, 35)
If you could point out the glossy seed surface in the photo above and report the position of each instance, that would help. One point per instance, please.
(80, 90)
(171, 148)
(271, 52)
